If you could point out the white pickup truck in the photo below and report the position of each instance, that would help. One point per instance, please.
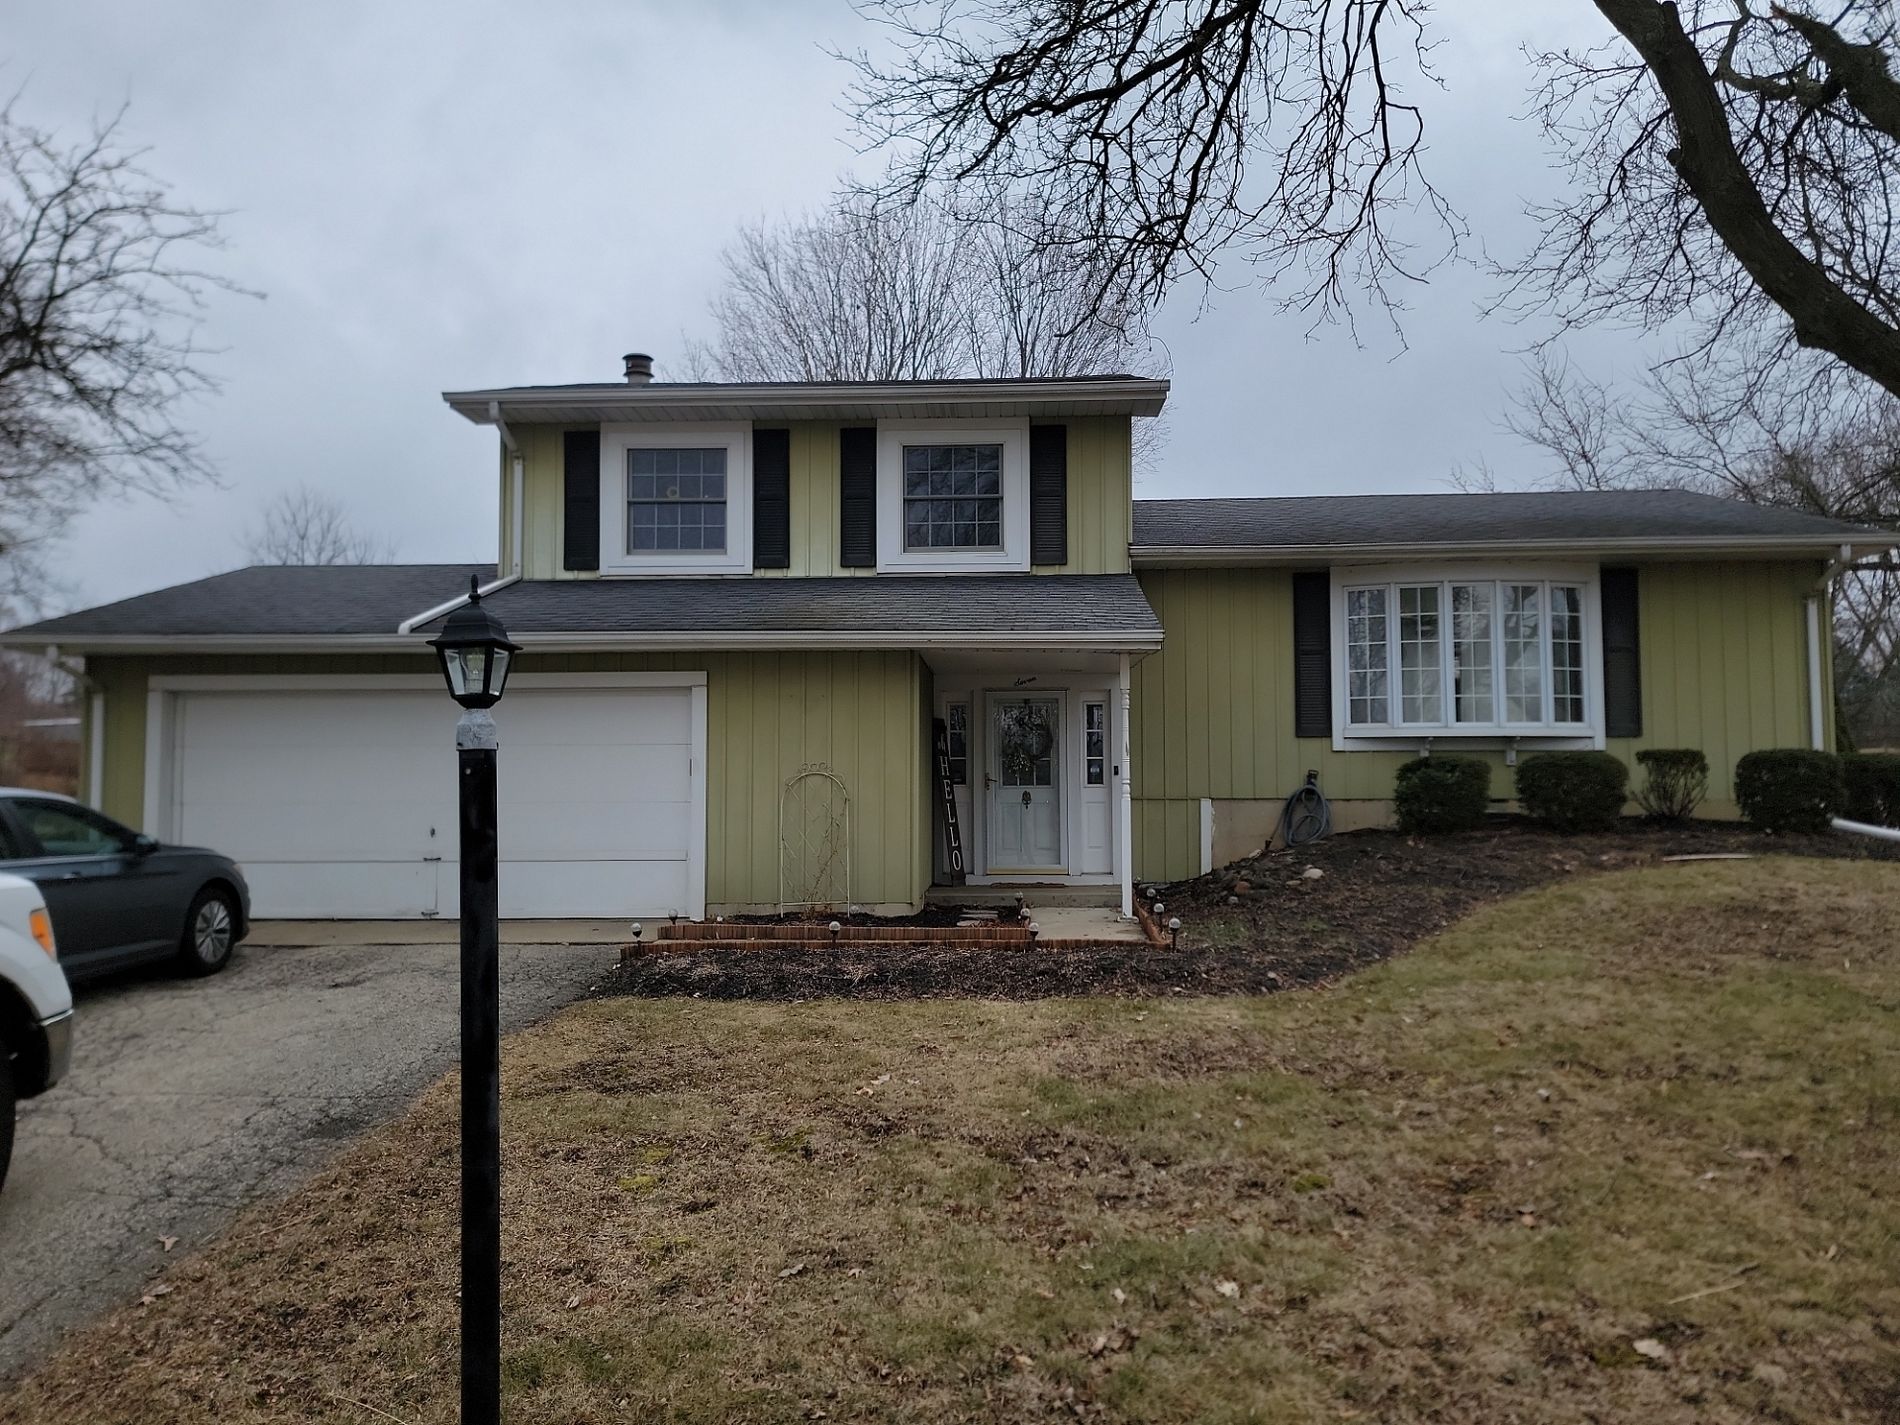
(36, 1007)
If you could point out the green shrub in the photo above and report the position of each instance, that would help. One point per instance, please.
(1675, 779)
(1442, 793)
(1573, 791)
(1789, 788)
(1871, 781)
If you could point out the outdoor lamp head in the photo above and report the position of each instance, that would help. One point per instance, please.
(475, 651)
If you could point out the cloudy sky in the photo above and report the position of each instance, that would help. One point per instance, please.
(438, 195)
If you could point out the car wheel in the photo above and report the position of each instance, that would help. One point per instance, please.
(6, 1110)
(210, 933)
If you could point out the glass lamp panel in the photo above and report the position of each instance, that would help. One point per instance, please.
(498, 671)
(462, 677)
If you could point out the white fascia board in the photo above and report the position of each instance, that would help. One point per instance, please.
(1158, 556)
(1137, 396)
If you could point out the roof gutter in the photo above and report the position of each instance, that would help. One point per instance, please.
(1165, 555)
(1138, 395)
(1078, 640)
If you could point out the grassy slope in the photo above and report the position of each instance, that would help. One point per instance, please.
(1458, 1187)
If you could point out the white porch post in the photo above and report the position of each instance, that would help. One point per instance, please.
(1125, 815)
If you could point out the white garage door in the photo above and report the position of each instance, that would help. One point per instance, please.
(344, 803)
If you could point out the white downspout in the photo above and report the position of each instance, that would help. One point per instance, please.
(410, 625)
(1125, 820)
(1817, 726)
(516, 498)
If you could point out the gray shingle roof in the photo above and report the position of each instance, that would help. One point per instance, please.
(270, 600)
(1316, 521)
(903, 603)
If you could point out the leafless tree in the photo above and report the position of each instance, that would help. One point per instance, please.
(866, 292)
(1730, 162)
(101, 298)
(858, 292)
(306, 526)
(844, 294)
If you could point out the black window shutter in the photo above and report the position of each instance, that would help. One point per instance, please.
(857, 497)
(580, 506)
(771, 499)
(1622, 655)
(1048, 494)
(1312, 654)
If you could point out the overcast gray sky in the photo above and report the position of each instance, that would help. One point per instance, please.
(439, 195)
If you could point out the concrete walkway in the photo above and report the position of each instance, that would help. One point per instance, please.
(1085, 923)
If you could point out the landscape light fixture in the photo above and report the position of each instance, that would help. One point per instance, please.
(476, 653)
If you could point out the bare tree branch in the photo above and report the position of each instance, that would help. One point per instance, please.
(101, 295)
(1729, 166)
(856, 292)
(1137, 123)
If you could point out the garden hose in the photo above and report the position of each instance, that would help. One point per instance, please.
(1307, 815)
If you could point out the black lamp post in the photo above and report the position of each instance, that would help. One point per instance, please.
(475, 651)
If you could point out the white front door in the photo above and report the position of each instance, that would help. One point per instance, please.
(1025, 785)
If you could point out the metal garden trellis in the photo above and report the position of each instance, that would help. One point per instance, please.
(814, 837)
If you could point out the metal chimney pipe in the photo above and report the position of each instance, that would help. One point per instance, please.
(639, 368)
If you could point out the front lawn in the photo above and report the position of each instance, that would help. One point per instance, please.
(1623, 1149)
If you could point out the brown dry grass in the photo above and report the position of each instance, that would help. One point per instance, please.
(1653, 1106)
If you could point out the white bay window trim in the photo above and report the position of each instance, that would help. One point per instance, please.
(1011, 556)
(1381, 630)
(616, 557)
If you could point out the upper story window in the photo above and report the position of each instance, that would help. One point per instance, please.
(675, 499)
(1452, 652)
(952, 496)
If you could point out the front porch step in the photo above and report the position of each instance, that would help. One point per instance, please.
(1004, 897)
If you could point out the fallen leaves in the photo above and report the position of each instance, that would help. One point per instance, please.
(154, 1292)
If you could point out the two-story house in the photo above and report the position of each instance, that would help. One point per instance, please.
(841, 641)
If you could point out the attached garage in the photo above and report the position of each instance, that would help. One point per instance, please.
(338, 797)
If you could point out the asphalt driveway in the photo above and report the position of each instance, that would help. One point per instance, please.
(189, 1099)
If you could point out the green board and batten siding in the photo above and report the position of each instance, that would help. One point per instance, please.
(1724, 668)
(1100, 501)
(769, 715)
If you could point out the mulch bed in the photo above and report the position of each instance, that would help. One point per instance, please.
(1378, 894)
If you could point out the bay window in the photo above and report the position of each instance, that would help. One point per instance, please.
(1450, 653)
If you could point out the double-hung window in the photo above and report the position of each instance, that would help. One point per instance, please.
(675, 499)
(953, 497)
(1453, 654)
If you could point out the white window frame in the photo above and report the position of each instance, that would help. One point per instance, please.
(1349, 736)
(892, 557)
(616, 441)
